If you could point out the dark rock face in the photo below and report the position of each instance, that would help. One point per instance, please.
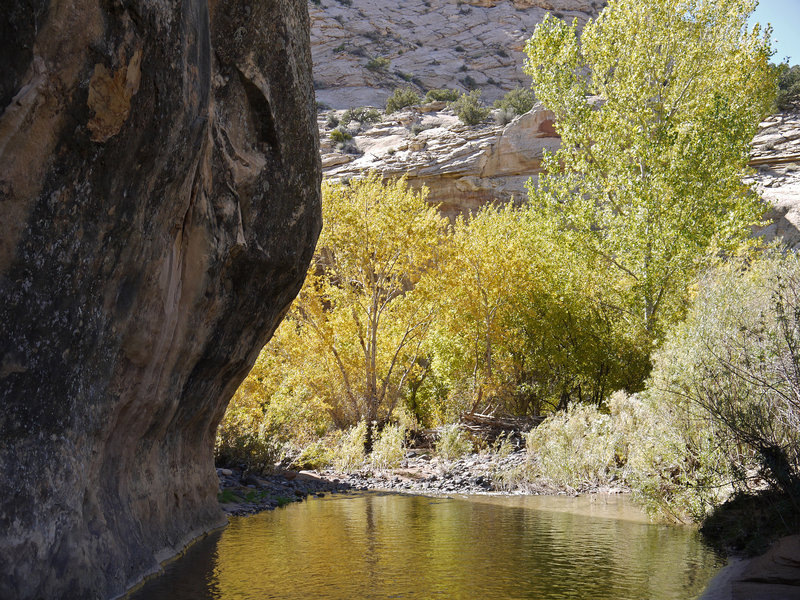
(159, 202)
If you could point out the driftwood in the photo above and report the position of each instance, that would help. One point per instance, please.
(505, 423)
(487, 426)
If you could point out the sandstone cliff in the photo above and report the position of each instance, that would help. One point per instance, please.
(466, 167)
(776, 159)
(363, 49)
(159, 198)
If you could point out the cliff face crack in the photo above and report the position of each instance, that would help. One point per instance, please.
(262, 120)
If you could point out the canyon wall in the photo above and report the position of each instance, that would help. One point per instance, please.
(159, 200)
(364, 49)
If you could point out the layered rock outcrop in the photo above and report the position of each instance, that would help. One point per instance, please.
(464, 167)
(159, 200)
(776, 159)
(363, 49)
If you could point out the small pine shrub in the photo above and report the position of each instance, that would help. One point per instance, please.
(340, 136)
(441, 95)
(519, 101)
(361, 115)
(389, 449)
(469, 108)
(418, 128)
(469, 82)
(452, 443)
(400, 98)
(788, 87)
(379, 63)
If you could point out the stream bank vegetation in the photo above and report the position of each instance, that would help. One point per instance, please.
(624, 308)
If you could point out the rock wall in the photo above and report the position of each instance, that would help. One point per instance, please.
(776, 161)
(458, 44)
(159, 199)
(464, 167)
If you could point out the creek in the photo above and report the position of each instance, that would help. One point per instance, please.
(373, 545)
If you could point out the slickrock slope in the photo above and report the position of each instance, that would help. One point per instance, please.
(159, 201)
(427, 44)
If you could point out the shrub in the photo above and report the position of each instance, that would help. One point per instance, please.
(503, 446)
(441, 95)
(389, 449)
(379, 63)
(418, 128)
(670, 456)
(469, 108)
(577, 448)
(504, 116)
(348, 455)
(340, 135)
(400, 98)
(737, 357)
(316, 455)
(469, 82)
(361, 115)
(677, 465)
(518, 101)
(241, 441)
(332, 121)
(788, 87)
(452, 442)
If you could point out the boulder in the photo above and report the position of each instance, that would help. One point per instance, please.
(159, 195)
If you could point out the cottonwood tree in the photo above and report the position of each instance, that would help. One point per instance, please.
(365, 309)
(517, 330)
(486, 268)
(656, 103)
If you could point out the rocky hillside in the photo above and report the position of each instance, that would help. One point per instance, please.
(463, 166)
(363, 49)
(776, 158)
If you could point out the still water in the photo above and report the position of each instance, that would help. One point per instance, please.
(395, 546)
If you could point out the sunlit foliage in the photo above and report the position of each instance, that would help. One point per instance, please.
(656, 105)
(364, 310)
(737, 356)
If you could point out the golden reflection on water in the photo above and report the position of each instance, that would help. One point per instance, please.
(390, 546)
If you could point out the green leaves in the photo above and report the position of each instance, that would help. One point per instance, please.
(656, 106)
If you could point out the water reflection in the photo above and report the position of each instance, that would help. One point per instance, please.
(386, 546)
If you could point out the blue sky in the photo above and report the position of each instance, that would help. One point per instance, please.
(784, 15)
